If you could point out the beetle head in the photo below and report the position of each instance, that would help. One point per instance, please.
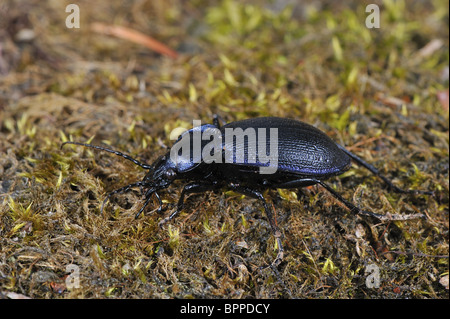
(161, 174)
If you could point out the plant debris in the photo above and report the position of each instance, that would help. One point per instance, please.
(382, 92)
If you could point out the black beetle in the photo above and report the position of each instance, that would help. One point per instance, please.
(304, 156)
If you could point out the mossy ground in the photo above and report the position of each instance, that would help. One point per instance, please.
(381, 92)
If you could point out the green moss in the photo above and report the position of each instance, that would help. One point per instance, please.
(373, 90)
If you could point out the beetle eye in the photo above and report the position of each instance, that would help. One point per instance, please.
(170, 174)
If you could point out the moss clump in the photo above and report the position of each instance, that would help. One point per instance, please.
(381, 92)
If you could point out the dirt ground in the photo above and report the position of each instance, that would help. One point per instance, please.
(382, 92)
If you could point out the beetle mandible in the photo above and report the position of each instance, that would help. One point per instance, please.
(305, 156)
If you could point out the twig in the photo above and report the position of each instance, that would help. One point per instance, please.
(134, 36)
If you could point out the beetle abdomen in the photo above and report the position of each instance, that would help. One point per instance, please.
(301, 148)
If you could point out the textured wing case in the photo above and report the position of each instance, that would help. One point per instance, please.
(302, 148)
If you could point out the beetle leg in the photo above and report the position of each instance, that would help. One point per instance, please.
(353, 208)
(148, 197)
(190, 188)
(311, 181)
(270, 216)
(120, 190)
(376, 172)
(216, 118)
(160, 208)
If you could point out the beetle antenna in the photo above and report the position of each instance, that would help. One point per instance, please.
(135, 161)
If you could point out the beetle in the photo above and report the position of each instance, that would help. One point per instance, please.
(303, 156)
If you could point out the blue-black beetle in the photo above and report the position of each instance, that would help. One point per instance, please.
(304, 156)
